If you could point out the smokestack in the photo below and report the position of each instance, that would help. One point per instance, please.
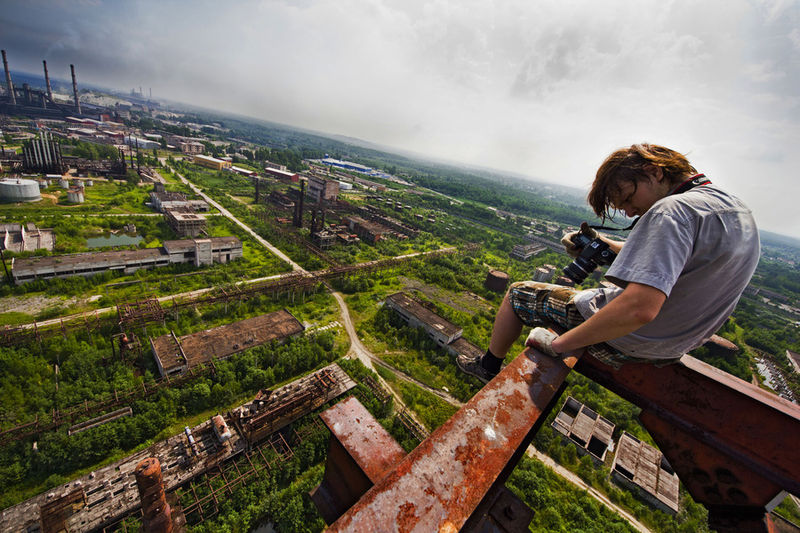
(47, 80)
(298, 220)
(12, 98)
(157, 513)
(75, 89)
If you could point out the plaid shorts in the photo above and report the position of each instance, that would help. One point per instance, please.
(544, 304)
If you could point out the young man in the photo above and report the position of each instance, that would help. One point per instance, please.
(679, 275)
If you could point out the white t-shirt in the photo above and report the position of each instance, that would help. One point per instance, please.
(700, 248)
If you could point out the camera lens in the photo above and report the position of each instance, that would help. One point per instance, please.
(579, 269)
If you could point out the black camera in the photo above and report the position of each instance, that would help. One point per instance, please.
(594, 252)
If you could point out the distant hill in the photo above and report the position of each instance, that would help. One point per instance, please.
(776, 239)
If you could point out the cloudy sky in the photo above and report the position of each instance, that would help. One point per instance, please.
(545, 88)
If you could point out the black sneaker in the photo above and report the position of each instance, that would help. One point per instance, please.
(472, 366)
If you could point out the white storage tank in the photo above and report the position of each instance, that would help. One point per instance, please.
(19, 190)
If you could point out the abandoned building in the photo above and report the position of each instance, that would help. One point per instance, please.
(642, 468)
(211, 162)
(523, 252)
(322, 188)
(164, 200)
(416, 315)
(175, 355)
(26, 238)
(590, 432)
(196, 251)
(185, 222)
(281, 200)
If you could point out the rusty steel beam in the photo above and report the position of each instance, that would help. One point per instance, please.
(360, 453)
(456, 473)
(732, 444)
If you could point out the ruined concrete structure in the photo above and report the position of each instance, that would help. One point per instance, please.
(26, 238)
(523, 252)
(198, 252)
(185, 223)
(643, 468)
(590, 432)
(416, 315)
(175, 355)
(320, 188)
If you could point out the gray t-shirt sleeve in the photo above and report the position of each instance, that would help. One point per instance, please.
(655, 253)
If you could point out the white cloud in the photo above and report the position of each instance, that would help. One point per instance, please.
(546, 88)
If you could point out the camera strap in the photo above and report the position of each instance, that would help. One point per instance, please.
(695, 181)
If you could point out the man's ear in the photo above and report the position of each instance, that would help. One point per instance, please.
(653, 172)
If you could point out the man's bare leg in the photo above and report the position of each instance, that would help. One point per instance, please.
(506, 330)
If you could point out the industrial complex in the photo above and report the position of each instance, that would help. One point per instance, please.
(325, 250)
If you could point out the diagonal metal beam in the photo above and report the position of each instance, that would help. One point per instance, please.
(439, 485)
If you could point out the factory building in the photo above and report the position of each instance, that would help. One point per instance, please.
(590, 432)
(185, 224)
(27, 238)
(141, 143)
(322, 188)
(43, 155)
(176, 355)
(19, 190)
(210, 162)
(281, 199)
(197, 252)
(555, 246)
(191, 147)
(416, 315)
(281, 174)
(163, 200)
(523, 252)
(642, 468)
(371, 231)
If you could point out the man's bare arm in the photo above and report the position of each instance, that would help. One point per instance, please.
(637, 305)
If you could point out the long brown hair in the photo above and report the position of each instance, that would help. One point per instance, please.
(626, 165)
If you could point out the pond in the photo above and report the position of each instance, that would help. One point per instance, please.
(113, 239)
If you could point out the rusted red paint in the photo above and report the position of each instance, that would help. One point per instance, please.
(155, 509)
(438, 486)
(731, 443)
(367, 442)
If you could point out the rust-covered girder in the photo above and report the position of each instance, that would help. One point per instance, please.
(361, 452)
(732, 444)
(455, 475)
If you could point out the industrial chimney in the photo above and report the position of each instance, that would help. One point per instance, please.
(298, 214)
(75, 89)
(11, 97)
(47, 81)
(157, 514)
